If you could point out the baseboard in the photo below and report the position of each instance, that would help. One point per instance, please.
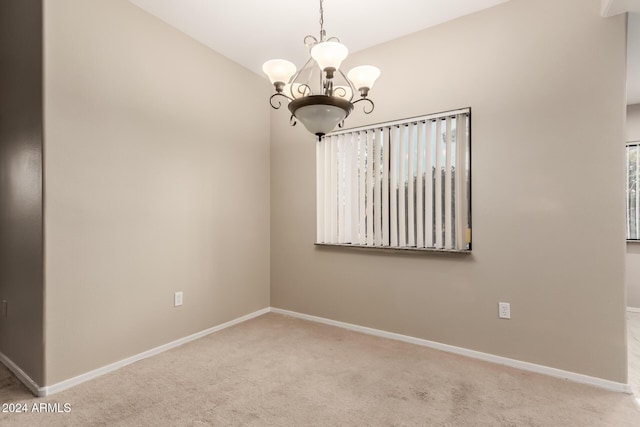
(525, 366)
(633, 309)
(20, 374)
(63, 385)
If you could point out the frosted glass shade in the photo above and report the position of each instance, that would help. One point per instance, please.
(279, 70)
(320, 119)
(364, 76)
(329, 54)
(320, 114)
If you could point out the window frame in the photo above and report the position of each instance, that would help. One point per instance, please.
(465, 173)
(627, 198)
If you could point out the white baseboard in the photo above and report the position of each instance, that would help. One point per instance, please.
(20, 374)
(525, 366)
(633, 309)
(63, 385)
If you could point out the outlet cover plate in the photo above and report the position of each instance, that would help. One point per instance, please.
(177, 299)
(504, 310)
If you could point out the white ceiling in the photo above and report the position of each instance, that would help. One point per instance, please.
(614, 7)
(250, 32)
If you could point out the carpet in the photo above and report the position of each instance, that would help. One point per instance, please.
(277, 370)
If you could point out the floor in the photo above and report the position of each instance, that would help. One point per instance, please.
(276, 370)
(11, 390)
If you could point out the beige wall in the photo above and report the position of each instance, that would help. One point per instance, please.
(633, 249)
(21, 283)
(157, 180)
(545, 80)
(633, 123)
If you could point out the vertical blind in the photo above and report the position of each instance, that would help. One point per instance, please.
(633, 201)
(404, 184)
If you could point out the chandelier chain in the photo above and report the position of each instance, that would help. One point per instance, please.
(322, 33)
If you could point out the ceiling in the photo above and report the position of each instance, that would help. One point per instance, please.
(250, 32)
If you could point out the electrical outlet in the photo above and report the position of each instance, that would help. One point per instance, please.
(504, 310)
(177, 299)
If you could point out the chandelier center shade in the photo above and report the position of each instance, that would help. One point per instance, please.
(320, 95)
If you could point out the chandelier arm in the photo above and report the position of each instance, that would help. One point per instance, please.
(274, 106)
(351, 86)
(310, 41)
(292, 120)
(364, 108)
(297, 74)
(302, 89)
(337, 90)
(333, 39)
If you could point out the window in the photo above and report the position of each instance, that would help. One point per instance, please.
(400, 185)
(633, 202)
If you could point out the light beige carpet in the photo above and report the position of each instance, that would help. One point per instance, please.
(281, 371)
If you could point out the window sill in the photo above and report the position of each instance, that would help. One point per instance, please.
(416, 251)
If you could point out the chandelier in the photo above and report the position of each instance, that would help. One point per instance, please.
(320, 95)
